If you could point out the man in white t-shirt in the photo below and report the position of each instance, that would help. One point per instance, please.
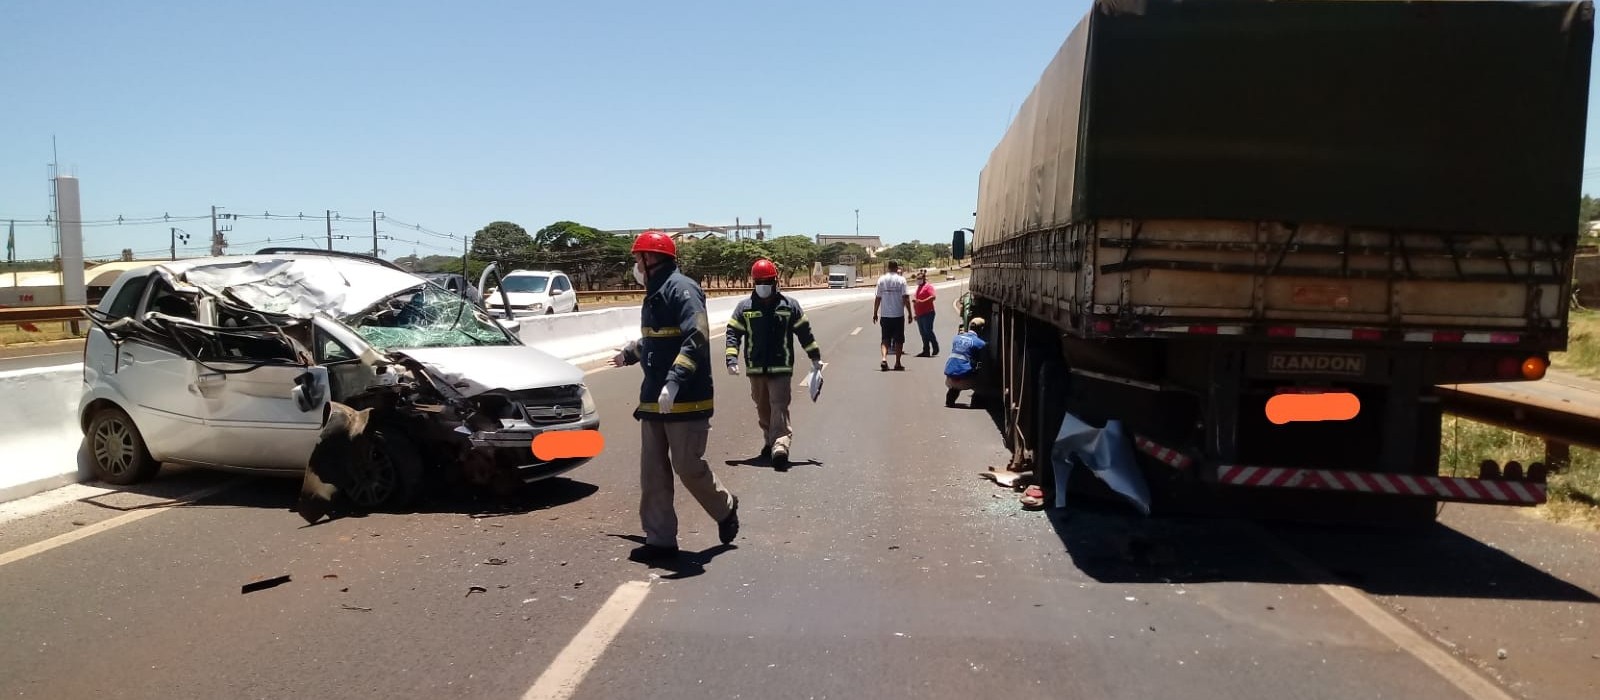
(890, 308)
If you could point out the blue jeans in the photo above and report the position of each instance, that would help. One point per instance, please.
(925, 329)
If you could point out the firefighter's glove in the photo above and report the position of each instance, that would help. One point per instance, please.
(733, 367)
(816, 366)
(669, 393)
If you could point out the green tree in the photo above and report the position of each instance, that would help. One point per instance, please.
(502, 241)
(740, 256)
(794, 254)
(831, 253)
(702, 260)
(1588, 211)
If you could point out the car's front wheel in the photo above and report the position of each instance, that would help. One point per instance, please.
(116, 449)
(391, 474)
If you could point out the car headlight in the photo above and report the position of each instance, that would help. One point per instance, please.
(589, 406)
(536, 306)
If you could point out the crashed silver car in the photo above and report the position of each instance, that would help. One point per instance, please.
(347, 371)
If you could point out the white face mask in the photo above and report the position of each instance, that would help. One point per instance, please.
(765, 290)
(638, 274)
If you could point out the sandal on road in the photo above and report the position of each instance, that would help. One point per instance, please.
(1033, 498)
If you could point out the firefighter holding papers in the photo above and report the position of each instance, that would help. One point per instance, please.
(764, 326)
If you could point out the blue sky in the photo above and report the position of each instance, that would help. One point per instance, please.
(451, 115)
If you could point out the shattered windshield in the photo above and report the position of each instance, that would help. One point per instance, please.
(531, 284)
(426, 316)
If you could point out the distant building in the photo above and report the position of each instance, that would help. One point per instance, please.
(873, 244)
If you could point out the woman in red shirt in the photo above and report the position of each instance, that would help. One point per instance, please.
(922, 310)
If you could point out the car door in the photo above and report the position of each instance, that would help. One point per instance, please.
(562, 295)
(263, 418)
(159, 387)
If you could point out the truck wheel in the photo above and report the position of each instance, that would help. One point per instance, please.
(390, 476)
(117, 450)
(1050, 408)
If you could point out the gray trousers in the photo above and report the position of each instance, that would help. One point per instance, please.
(771, 394)
(675, 446)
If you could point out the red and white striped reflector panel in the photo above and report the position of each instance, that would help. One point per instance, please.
(1197, 330)
(1460, 337)
(1446, 487)
(1169, 457)
(1325, 333)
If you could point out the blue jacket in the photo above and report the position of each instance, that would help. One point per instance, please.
(962, 351)
(674, 346)
(767, 332)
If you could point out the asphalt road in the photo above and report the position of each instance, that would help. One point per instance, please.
(881, 566)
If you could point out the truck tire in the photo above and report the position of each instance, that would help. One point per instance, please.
(1050, 408)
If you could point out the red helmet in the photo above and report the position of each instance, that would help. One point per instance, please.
(655, 242)
(763, 270)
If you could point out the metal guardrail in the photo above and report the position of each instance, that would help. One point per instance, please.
(40, 314)
(1561, 415)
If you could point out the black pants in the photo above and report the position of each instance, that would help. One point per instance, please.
(925, 329)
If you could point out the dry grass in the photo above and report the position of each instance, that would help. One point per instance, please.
(13, 335)
(1583, 346)
(1574, 493)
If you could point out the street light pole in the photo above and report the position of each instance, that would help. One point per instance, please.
(858, 222)
(177, 233)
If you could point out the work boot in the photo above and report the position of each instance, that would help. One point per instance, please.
(766, 452)
(729, 527)
(950, 397)
(652, 553)
(780, 458)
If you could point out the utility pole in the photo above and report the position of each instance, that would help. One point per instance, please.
(374, 234)
(466, 247)
(330, 228)
(175, 232)
(858, 222)
(216, 233)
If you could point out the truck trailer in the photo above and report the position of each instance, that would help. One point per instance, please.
(1257, 234)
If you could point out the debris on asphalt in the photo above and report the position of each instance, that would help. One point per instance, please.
(525, 601)
(579, 584)
(495, 561)
(356, 608)
(476, 589)
(1502, 654)
(894, 546)
(346, 589)
(330, 577)
(264, 584)
(79, 523)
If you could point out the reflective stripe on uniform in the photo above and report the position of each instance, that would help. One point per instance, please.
(685, 407)
(735, 324)
(733, 352)
(812, 347)
(686, 363)
(660, 332)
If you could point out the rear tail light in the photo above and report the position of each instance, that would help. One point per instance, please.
(1280, 332)
(1533, 368)
(1368, 334)
(1102, 326)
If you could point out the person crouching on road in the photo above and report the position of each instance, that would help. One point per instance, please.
(675, 398)
(765, 326)
(961, 370)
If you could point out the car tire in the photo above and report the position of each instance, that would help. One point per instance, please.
(117, 453)
(390, 476)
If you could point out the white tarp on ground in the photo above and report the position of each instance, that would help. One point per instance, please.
(1105, 451)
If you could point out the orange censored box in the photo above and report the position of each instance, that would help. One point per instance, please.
(567, 444)
(1301, 408)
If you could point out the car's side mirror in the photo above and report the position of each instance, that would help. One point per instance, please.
(308, 392)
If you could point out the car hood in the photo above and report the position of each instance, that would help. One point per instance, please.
(508, 367)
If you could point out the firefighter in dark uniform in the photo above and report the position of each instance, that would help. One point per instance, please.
(675, 398)
(765, 326)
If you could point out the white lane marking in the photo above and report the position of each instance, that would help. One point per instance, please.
(49, 500)
(85, 532)
(1409, 640)
(560, 680)
(857, 330)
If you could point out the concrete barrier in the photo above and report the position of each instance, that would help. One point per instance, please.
(43, 445)
(39, 430)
